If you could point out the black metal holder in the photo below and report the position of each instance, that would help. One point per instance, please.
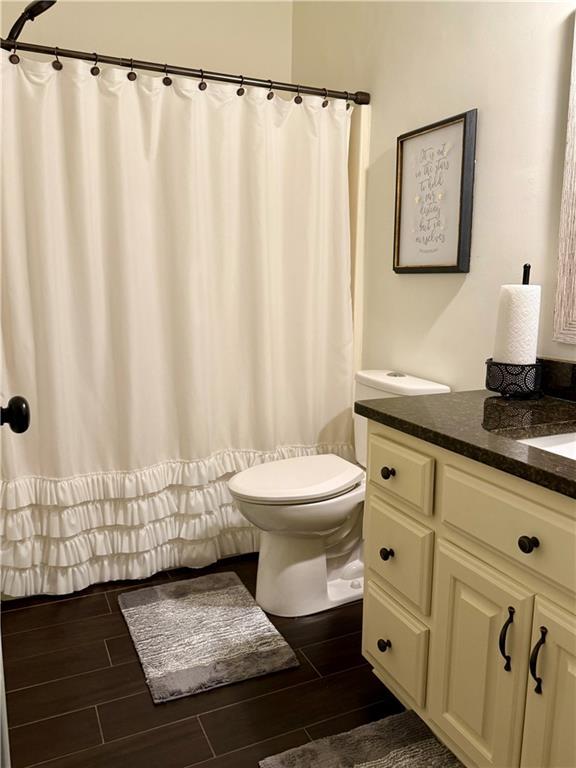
(514, 381)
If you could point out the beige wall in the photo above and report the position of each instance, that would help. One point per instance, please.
(239, 37)
(423, 62)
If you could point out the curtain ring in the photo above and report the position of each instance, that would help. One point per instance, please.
(241, 91)
(95, 70)
(202, 85)
(167, 80)
(298, 98)
(14, 58)
(57, 64)
(132, 75)
(270, 91)
(347, 99)
(325, 102)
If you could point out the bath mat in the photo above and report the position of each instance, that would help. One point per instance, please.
(397, 741)
(201, 633)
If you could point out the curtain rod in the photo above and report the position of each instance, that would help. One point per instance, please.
(358, 97)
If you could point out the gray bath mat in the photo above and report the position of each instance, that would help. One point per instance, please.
(202, 633)
(398, 741)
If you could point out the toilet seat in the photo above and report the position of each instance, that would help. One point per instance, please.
(296, 481)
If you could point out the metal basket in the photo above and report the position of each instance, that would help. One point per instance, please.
(513, 380)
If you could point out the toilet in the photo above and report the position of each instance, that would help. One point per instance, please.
(309, 512)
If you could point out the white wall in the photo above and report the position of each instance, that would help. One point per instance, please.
(254, 38)
(423, 62)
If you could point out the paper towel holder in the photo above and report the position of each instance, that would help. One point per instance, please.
(514, 381)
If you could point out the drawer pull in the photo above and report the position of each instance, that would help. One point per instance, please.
(386, 554)
(528, 544)
(502, 638)
(383, 645)
(387, 473)
(534, 659)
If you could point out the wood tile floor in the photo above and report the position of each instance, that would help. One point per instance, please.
(77, 698)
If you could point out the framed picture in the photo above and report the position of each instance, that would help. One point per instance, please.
(434, 192)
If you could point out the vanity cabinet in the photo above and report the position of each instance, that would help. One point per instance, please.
(470, 590)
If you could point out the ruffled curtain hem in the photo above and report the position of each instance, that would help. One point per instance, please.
(52, 580)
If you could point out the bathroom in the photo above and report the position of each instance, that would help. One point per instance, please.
(186, 301)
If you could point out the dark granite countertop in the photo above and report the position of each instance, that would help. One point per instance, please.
(485, 428)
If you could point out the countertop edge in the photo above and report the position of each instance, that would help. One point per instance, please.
(499, 461)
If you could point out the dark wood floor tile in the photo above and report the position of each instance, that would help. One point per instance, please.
(96, 589)
(75, 609)
(306, 630)
(290, 709)
(336, 655)
(121, 649)
(60, 696)
(249, 757)
(139, 713)
(47, 739)
(173, 746)
(350, 720)
(61, 636)
(56, 665)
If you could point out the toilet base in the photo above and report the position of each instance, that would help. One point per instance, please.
(293, 578)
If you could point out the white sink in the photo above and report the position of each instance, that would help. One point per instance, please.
(563, 445)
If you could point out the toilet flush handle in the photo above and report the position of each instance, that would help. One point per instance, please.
(387, 473)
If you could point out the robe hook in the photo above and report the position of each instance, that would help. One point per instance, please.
(202, 85)
(241, 91)
(325, 102)
(132, 75)
(95, 70)
(167, 80)
(57, 64)
(270, 91)
(298, 98)
(14, 58)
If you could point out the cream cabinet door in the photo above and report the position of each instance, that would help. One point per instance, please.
(550, 724)
(471, 696)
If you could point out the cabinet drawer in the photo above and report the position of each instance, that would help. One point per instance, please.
(406, 658)
(412, 473)
(499, 518)
(400, 550)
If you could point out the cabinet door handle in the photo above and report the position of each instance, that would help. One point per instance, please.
(387, 472)
(502, 638)
(383, 645)
(386, 554)
(528, 544)
(534, 659)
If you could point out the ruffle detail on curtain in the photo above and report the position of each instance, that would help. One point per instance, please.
(70, 491)
(53, 580)
(59, 549)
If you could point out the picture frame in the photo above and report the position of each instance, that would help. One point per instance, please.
(434, 196)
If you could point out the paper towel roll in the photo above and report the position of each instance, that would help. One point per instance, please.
(517, 326)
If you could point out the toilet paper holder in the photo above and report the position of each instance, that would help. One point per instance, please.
(512, 380)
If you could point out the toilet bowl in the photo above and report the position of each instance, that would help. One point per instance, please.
(309, 512)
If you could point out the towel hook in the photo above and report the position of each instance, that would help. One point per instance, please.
(270, 91)
(325, 102)
(14, 58)
(167, 80)
(57, 64)
(241, 91)
(202, 85)
(132, 75)
(95, 70)
(298, 98)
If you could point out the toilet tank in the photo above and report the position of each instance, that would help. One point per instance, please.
(375, 385)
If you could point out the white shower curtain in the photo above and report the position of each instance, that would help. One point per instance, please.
(175, 306)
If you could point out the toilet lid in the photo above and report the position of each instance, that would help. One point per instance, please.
(305, 478)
